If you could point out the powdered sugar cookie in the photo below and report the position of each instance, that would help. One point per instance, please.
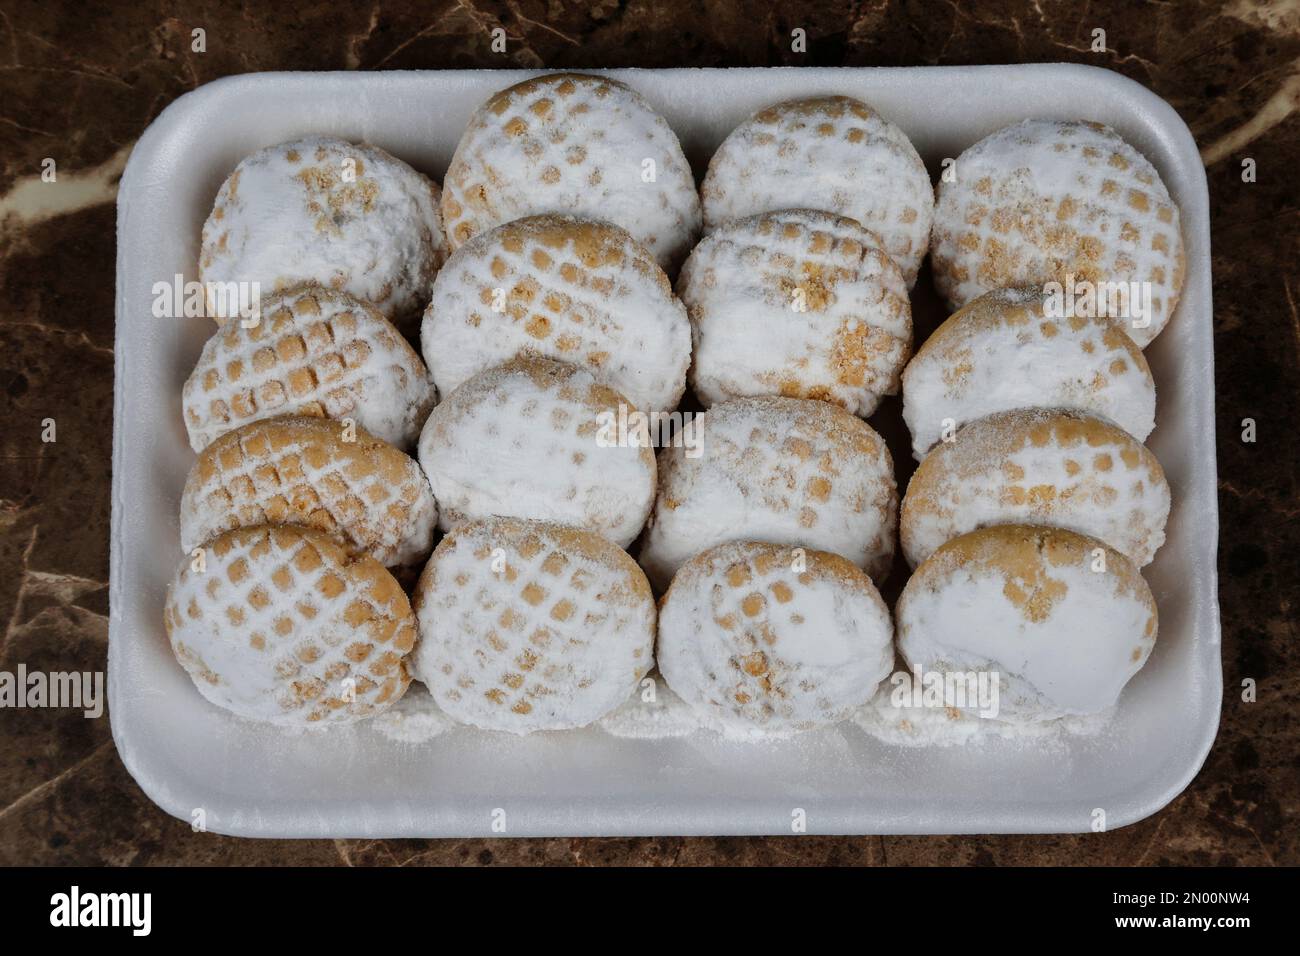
(798, 303)
(1044, 201)
(320, 209)
(281, 624)
(525, 440)
(1006, 350)
(530, 626)
(832, 153)
(783, 470)
(1042, 467)
(316, 353)
(579, 291)
(1063, 620)
(763, 638)
(315, 472)
(577, 145)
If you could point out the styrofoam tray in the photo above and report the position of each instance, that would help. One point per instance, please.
(189, 756)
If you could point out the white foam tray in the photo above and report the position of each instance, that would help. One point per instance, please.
(353, 782)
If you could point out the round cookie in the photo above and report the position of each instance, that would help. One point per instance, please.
(577, 145)
(1006, 350)
(798, 303)
(1042, 201)
(320, 209)
(314, 352)
(280, 624)
(832, 153)
(1042, 467)
(575, 290)
(1031, 606)
(527, 626)
(315, 472)
(762, 638)
(537, 439)
(784, 470)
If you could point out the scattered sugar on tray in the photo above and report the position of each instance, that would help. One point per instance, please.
(653, 712)
(415, 719)
(915, 725)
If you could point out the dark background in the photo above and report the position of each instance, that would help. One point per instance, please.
(79, 82)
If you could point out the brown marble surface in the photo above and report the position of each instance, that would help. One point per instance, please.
(79, 82)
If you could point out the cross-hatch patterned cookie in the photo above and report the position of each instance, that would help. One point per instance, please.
(784, 470)
(313, 472)
(530, 626)
(314, 352)
(830, 153)
(1060, 619)
(539, 439)
(576, 145)
(765, 638)
(1007, 350)
(1042, 201)
(579, 291)
(281, 624)
(1041, 467)
(320, 209)
(797, 303)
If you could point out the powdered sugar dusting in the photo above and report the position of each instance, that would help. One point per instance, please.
(913, 725)
(415, 719)
(653, 712)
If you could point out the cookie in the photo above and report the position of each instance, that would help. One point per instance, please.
(536, 439)
(281, 624)
(578, 291)
(1008, 350)
(320, 209)
(832, 153)
(1041, 467)
(316, 353)
(784, 470)
(797, 303)
(1061, 620)
(1043, 201)
(764, 638)
(576, 145)
(315, 472)
(528, 626)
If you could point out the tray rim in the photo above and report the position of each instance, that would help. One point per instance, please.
(744, 821)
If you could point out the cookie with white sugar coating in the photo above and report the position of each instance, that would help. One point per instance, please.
(576, 145)
(1038, 466)
(832, 153)
(575, 290)
(1060, 619)
(310, 352)
(1069, 202)
(1011, 349)
(765, 639)
(281, 624)
(528, 626)
(528, 439)
(319, 209)
(323, 474)
(785, 470)
(798, 303)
